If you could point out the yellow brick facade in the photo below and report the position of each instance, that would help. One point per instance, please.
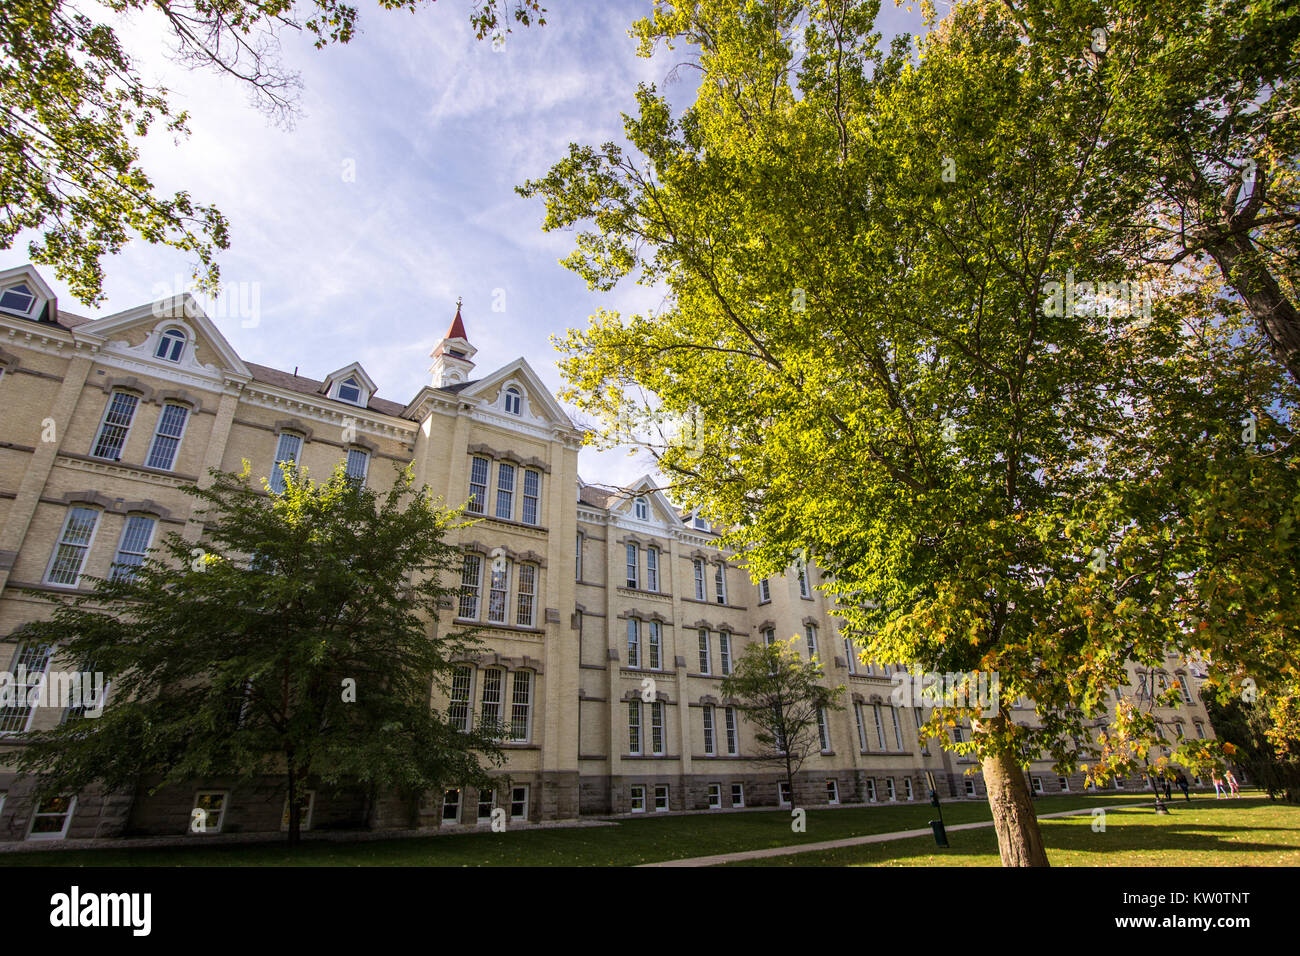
(557, 666)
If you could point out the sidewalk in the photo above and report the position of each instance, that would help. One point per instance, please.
(860, 841)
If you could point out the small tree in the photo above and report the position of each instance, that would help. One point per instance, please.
(296, 640)
(1247, 725)
(781, 694)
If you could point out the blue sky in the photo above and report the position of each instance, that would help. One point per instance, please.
(394, 192)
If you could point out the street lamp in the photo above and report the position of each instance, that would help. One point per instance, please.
(940, 834)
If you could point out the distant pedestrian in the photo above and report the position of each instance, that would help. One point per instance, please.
(1181, 780)
(1233, 785)
(1168, 793)
(1218, 784)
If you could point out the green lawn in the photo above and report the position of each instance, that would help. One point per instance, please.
(1245, 832)
(629, 841)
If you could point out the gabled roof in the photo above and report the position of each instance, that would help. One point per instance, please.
(28, 274)
(311, 386)
(540, 398)
(346, 372)
(184, 308)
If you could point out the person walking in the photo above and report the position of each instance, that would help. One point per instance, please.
(1168, 792)
(1233, 785)
(1218, 784)
(1181, 780)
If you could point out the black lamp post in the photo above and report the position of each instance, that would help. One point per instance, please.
(1155, 787)
(940, 834)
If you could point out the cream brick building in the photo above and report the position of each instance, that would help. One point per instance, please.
(585, 591)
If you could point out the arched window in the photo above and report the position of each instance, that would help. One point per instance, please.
(514, 400)
(171, 345)
(642, 509)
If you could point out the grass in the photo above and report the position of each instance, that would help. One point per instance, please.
(629, 841)
(1245, 832)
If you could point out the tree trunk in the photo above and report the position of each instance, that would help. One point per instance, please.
(1275, 315)
(294, 814)
(1020, 841)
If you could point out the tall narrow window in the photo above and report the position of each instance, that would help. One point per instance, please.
(458, 709)
(633, 642)
(733, 743)
(513, 400)
(764, 591)
(708, 730)
(167, 438)
(497, 590)
(577, 560)
(803, 582)
(505, 491)
(74, 543)
(720, 584)
(634, 726)
(116, 423)
(823, 731)
(633, 563)
(699, 579)
(287, 450)
(654, 642)
(705, 656)
(532, 492)
(136, 535)
(724, 651)
(358, 465)
(471, 583)
(657, 727)
(527, 595)
(521, 703)
(898, 729)
(851, 655)
(652, 569)
(478, 482)
(26, 670)
(880, 727)
(642, 509)
(862, 727)
(920, 722)
(490, 705)
(810, 632)
(170, 345)
(451, 806)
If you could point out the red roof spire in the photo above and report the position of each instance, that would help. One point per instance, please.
(457, 330)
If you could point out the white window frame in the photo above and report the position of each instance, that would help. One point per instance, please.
(661, 793)
(783, 795)
(105, 424)
(1063, 784)
(892, 789)
(710, 738)
(862, 728)
(714, 791)
(654, 645)
(28, 653)
(120, 569)
(907, 788)
(498, 611)
(515, 801)
(505, 500)
(706, 652)
(354, 383)
(635, 738)
(636, 798)
(477, 504)
(720, 583)
(871, 790)
(823, 730)
(577, 575)
(633, 566)
(701, 594)
(471, 592)
(850, 655)
(357, 476)
(481, 818)
(209, 828)
(832, 791)
(898, 729)
(764, 591)
(526, 596)
(160, 436)
(732, 728)
(738, 795)
(513, 401)
(60, 543)
(724, 652)
(444, 820)
(167, 342)
(521, 679)
(67, 815)
(658, 729)
(276, 477)
(304, 823)
(970, 787)
(460, 703)
(532, 501)
(804, 588)
(651, 569)
(496, 726)
(1038, 784)
(634, 643)
(810, 637)
(641, 508)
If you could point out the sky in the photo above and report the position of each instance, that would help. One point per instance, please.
(354, 233)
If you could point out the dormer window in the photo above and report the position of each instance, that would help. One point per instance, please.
(18, 299)
(350, 391)
(170, 345)
(642, 509)
(514, 400)
(700, 523)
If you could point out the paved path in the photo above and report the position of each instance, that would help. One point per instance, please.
(859, 841)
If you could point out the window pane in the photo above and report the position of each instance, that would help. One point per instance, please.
(470, 582)
(500, 584)
(527, 587)
(116, 423)
(74, 543)
(167, 437)
(520, 706)
(130, 551)
(27, 669)
(358, 464)
(505, 491)
(458, 710)
(478, 479)
(532, 491)
(287, 449)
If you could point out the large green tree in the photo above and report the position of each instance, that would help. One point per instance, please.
(295, 639)
(886, 318)
(73, 107)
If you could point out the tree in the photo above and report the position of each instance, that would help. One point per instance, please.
(1200, 159)
(1248, 725)
(73, 105)
(295, 641)
(783, 696)
(874, 322)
